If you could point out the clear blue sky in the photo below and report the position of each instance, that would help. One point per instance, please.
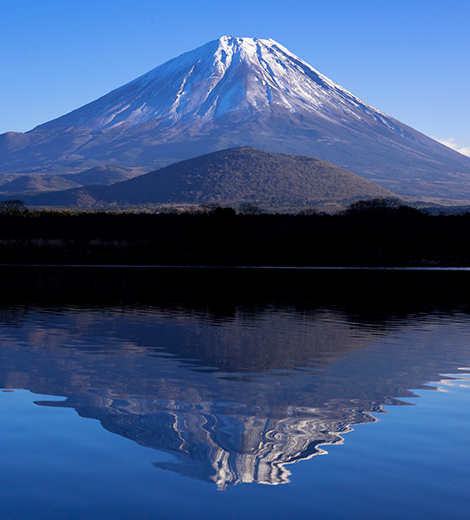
(408, 58)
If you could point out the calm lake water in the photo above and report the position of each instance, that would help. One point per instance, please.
(190, 394)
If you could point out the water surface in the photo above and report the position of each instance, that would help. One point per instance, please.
(174, 402)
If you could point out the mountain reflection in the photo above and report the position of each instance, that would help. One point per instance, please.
(220, 446)
(235, 398)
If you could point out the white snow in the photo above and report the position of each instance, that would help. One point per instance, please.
(226, 76)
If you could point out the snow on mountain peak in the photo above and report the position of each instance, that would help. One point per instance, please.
(228, 77)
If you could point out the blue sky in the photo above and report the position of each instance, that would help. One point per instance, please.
(409, 59)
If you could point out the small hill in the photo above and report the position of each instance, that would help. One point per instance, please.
(99, 175)
(103, 174)
(35, 183)
(227, 177)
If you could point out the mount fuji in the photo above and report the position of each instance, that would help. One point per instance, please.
(239, 92)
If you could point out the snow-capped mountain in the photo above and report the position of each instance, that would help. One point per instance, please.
(232, 77)
(237, 92)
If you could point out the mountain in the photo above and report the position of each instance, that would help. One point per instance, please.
(239, 92)
(229, 176)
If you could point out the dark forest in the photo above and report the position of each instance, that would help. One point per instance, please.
(379, 232)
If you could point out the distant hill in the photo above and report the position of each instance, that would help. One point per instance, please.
(29, 184)
(229, 176)
(104, 174)
(35, 183)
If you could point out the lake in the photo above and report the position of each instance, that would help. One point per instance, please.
(234, 393)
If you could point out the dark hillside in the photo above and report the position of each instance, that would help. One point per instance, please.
(230, 176)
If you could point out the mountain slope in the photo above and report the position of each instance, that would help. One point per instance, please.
(237, 92)
(228, 176)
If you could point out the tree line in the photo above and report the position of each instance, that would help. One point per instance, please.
(378, 232)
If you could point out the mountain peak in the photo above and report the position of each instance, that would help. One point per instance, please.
(230, 77)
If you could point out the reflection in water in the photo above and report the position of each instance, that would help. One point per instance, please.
(234, 397)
